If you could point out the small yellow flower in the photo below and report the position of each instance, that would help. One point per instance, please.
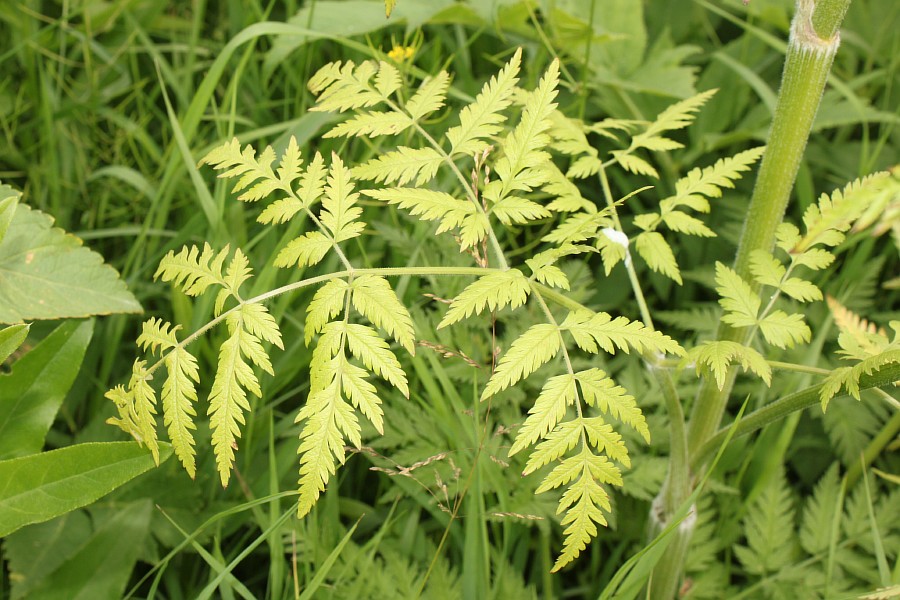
(401, 53)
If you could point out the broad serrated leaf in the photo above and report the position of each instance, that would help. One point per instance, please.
(719, 355)
(494, 291)
(429, 97)
(49, 274)
(482, 119)
(590, 329)
(532, 349)
(549, 409)
(784, 330)
(401, 166)
(474, 230)
(428, 205)
(655, 250)
(599, 390)
(366, 345)
(802, 290)
(374, 298)
(740, 302)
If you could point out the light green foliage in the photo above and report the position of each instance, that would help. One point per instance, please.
(179, 391)
(742, 309)
(586, 471)
(488, 169)
(483, 118)
(677, 116)
(494, 291)
(718, 355)
(691, 192)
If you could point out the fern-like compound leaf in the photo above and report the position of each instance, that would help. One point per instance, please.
(584, 500)
(784, 330)
(322, 444)
(828, 219)
(657, 252)
(428, 205)
(136, 407)
(719, 355)
(740, 302)
(367, 346)
(483, 119)
(429, 97)
(144, 407)
(530, 351)
(228, 396)
(699, 184)
(340, 87)
(848, 377)
(593, 329)
(555, 444)
(371, 124)
(261, 324)
(328, 302)
(374, 298)
(769, 527)
(859, 339)
(339, 210)
(550, 407)
(605, 440)
(514, 210)
(306, 250)
(361, 393)
(494, 291)
(192, 270)
(157, 334)
(179, 392)
(599, 390)
(523, 148)
(401, 166)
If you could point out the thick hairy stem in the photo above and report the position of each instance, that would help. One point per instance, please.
(813, 43)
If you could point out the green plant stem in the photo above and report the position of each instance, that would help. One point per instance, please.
(807, 64)
(806, 70)
(788, 404)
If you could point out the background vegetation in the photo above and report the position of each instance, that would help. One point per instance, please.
(105, 109)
